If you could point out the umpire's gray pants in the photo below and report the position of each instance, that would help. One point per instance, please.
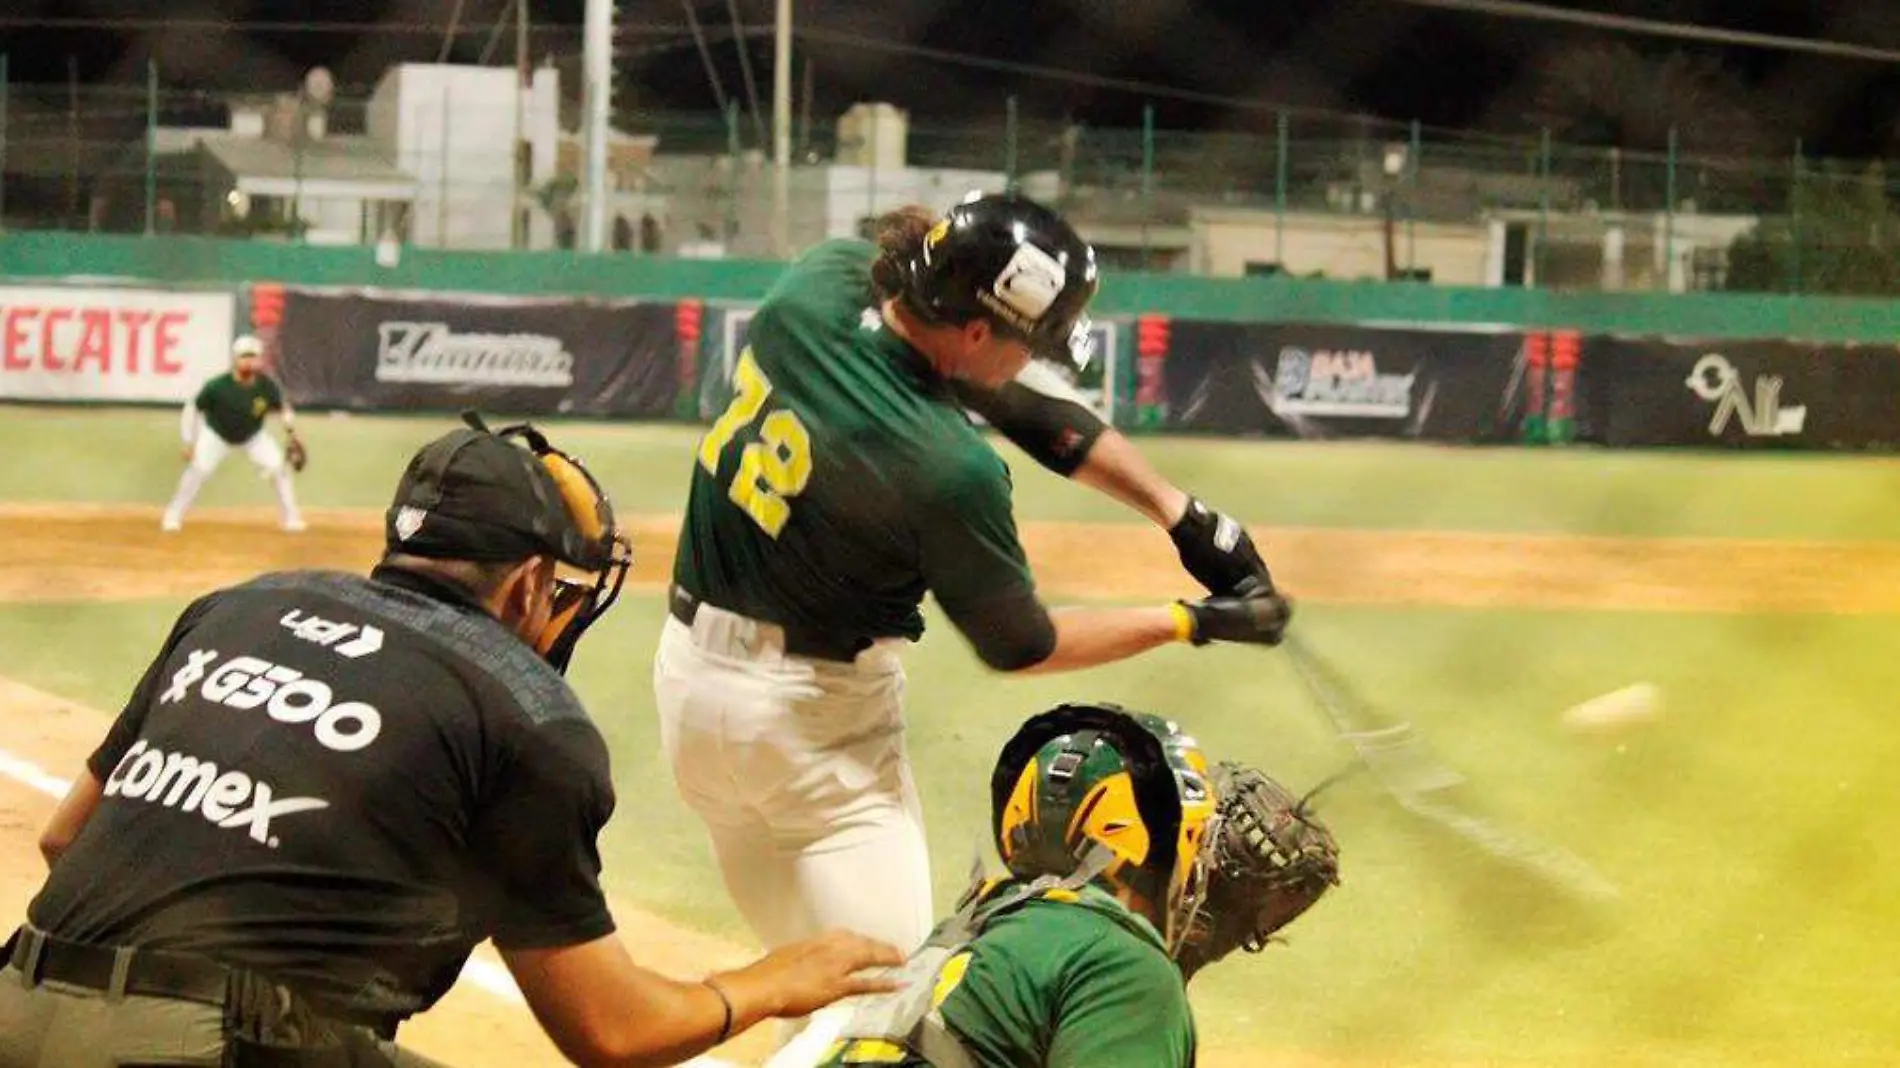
(54, 1025)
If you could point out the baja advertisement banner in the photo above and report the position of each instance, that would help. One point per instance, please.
(1095, 384)
(83, 343)
(1749, 394)
(1328, 381)
(366, 349)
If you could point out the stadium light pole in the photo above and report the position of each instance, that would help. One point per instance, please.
(782, 132)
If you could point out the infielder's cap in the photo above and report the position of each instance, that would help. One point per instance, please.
(247, 345)
(475, 494)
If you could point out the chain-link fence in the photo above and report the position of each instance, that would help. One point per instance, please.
(466, 157)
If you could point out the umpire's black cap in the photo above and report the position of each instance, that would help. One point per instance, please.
(475, 494)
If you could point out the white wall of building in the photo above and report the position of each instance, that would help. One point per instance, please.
(454, 128)
(1346, 247)
(718, 205)
(855, 193)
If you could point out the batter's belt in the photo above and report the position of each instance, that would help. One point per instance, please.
(685, 606)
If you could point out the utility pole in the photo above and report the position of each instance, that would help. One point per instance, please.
(782, 133)
(597, 59)
(524, 152)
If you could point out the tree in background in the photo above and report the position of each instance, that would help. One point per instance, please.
(1841, 237)
(1616, 94)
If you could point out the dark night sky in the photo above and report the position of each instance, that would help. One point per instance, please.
(1448, 69)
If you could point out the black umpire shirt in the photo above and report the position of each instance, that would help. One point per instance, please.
(345, 783)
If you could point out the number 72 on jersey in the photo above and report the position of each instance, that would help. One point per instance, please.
(773, 469)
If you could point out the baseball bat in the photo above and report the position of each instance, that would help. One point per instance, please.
(1405, 768)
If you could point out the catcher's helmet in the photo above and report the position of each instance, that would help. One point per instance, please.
(1011, 261)
(1082, 778)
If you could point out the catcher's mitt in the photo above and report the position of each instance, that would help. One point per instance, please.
(1269, 861)
(295, 455)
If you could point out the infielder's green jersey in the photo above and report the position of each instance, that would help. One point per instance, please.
(844, 480)
(1066, 980)
(235, 410)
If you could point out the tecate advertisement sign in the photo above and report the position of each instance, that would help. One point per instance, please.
(104, 344)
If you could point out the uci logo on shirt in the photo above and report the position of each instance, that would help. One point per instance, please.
(285, 694)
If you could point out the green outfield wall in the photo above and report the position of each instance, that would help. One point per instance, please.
(216, 262)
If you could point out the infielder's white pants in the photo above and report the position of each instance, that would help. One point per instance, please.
(208, 450)
(797, 766)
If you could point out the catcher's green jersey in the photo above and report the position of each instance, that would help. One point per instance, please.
(1068, 980)
(235, 410)
(844, 480)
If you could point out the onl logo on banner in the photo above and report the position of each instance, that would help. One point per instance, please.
(1716, 381)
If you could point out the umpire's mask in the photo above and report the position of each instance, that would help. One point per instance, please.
(475, 494)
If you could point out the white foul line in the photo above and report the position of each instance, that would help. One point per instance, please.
(31, 774)
(492, 978)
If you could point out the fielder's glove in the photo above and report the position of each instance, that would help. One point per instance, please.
(1257, 618)
(1218, 552)
(295, 455)
(1267, 860)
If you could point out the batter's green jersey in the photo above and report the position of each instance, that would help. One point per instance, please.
(1065, 981)
(844, 480)
(235, 410)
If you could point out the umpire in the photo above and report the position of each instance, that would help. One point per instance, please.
(327, 789)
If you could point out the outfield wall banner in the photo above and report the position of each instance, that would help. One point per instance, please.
(1324, 381)
(380, 350)
(86, 343)
(1748, 394)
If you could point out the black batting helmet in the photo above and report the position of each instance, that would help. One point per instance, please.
(1009, 260)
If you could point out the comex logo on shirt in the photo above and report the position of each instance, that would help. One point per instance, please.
(228, 799)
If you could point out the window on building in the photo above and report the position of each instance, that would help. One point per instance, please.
(1708, 269)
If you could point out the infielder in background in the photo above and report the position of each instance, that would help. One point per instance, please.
(843, 483)
(229, 413)
(1132, 864)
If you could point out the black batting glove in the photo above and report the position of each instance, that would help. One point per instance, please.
(1218, 552)
(1258, 619)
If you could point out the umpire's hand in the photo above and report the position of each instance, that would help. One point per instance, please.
(800, 978)
(1259, 617)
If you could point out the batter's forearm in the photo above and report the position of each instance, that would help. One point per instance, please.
(1116, 468)
(1089, 637)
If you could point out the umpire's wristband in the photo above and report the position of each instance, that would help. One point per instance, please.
(725, 1029)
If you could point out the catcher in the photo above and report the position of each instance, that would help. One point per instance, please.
(1133, 865)
(229, 413)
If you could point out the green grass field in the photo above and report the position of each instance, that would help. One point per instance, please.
(1747, 828)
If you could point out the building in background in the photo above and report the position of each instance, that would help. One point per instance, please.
(450, 156)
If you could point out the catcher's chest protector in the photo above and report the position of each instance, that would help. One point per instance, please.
(906, 1027)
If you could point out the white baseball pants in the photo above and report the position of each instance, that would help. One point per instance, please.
(797, 767)
(208, 450)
